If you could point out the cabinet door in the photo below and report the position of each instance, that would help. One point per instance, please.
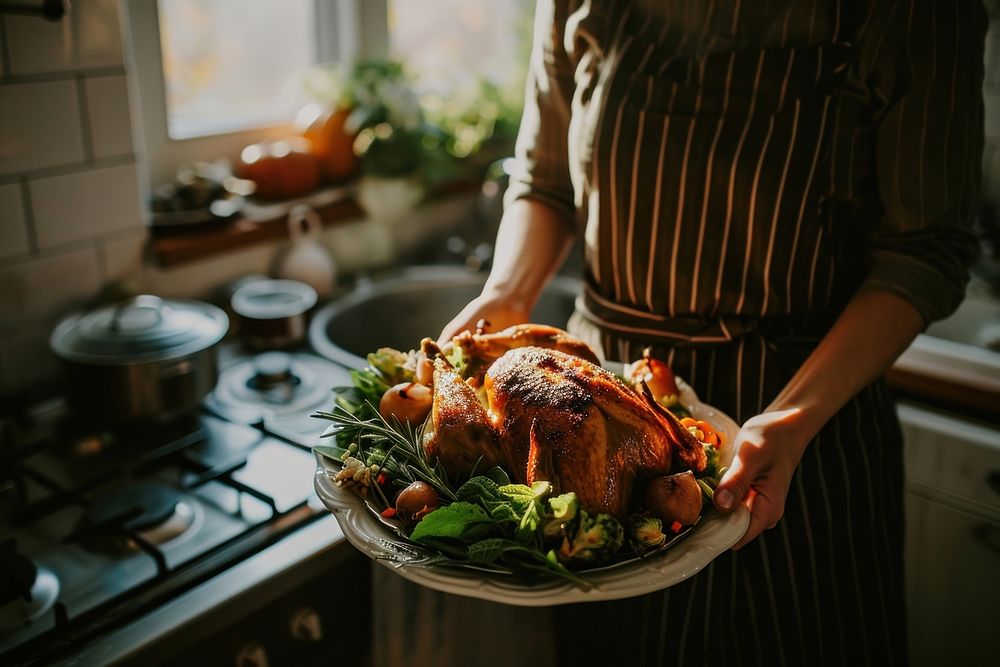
(953, 584)
(955, 459)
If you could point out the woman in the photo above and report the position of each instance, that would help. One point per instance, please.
(776, 199)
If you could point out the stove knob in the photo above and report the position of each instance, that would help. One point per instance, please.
(251, 654)
(271, 368)
(306, 626)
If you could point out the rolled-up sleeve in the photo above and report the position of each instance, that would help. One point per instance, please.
(541, 170)
(929, 144)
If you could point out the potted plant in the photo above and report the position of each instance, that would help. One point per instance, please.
(398, 151)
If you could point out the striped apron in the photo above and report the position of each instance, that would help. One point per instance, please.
(719, 230)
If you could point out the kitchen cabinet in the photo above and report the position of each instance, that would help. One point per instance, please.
(953, 537)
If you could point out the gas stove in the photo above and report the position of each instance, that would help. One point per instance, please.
(99, 526)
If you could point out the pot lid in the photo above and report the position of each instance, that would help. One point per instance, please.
(273, 299)
(142, 329)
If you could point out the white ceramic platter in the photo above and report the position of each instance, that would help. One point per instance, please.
(715, 533)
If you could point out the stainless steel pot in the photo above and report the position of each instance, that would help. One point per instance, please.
(273, 314)
(143, 359)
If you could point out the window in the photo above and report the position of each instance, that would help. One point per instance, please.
(451, 44)
(211, 76)
(234, 64)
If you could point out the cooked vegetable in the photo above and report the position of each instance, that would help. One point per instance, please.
(702, 430)
(674, 498)
(416, 501)
(647, 532)
(657, 375)
(564, 506)
(593, 539)
(356, 474)
(394, 366)
(408, 402)
(712, 467)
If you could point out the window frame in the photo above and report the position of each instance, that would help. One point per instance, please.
(345, 29)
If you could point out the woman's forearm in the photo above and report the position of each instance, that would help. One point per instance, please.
(871, 332)
(531, 244)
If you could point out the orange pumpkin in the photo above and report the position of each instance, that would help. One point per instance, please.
(280, 169)
(329, 141)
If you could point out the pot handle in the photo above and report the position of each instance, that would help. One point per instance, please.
(303, 221)
(147, 301)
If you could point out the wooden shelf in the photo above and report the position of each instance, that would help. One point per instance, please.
(171, 248)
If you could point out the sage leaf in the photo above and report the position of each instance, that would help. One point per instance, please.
(459, 520)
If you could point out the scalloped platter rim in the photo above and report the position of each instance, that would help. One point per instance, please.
(714, 534)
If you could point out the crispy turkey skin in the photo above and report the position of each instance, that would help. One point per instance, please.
(458, 432)
(561, 418)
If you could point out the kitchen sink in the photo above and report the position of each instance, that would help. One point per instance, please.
(399, 309)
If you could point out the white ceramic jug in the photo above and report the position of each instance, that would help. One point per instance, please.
(306, 260)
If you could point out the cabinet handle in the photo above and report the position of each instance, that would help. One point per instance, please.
(988, 536)
(993, 481)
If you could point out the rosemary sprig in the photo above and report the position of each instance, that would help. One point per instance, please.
(403, 441)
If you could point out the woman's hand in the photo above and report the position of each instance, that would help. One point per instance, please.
(499, 311)
(532, 242)
(870, 333)
(768, 448)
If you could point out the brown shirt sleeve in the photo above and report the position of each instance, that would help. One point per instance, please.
(928, 151)
(542, 168)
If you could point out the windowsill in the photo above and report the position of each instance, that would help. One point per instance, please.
(175, 247)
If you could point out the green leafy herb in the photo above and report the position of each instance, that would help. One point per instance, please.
(394, 366)
(461, 521)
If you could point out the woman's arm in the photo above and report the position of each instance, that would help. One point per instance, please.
(532, 242)
(539, 214)
(874, 329)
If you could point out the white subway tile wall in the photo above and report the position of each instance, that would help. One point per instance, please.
(68, 183)
(121, 256)
(13, 230)
(84, 205)
(39, 126)
(46, 286)
(88, 38)
(108, 113)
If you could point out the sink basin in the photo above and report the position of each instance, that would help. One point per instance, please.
(400, 309)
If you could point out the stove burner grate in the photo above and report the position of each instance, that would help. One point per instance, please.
(136, 506)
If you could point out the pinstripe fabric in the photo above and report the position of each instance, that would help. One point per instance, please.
(738, 171)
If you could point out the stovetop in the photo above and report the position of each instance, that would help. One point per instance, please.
(116, 521)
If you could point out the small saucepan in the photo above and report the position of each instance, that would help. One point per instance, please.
(273, 314)
(145, 358)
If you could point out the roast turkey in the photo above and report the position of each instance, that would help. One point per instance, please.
(547, 414)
